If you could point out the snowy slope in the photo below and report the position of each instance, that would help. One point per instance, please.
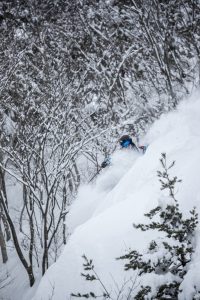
(102, 216)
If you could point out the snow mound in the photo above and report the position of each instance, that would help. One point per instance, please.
(102, 216)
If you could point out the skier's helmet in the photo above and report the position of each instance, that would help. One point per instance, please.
(125, 141)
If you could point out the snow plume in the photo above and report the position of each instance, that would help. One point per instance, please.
(84, 207)
(102, 216)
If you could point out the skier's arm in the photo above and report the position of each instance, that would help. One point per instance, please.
(106, 162)
(143, 148)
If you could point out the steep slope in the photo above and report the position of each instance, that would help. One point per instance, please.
(102, 216)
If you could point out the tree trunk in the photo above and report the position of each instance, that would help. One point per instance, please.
(6, 226)
(64, 207)
(45, 253)
(3, 245)
(28, 268)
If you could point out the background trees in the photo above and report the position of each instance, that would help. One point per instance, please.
(74, 76)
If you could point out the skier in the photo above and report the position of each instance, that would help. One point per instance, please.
(125, 143)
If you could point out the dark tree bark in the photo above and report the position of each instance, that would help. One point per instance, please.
(3, 245)
(28, 268)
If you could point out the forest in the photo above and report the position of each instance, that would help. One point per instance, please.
(75, 75)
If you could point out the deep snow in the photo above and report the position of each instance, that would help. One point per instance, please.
(102, 216)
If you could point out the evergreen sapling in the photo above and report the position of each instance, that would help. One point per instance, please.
(176, 247)
(91, 275)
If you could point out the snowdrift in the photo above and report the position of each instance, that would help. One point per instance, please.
(102, 216)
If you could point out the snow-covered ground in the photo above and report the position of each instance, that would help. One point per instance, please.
(102, 216)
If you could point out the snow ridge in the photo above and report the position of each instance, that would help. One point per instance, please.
(102, 216)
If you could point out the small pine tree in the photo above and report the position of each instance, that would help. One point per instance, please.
(91, 275)
(176, 248)
(196, 295)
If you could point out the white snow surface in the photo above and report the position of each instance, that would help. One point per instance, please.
(102, 216)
